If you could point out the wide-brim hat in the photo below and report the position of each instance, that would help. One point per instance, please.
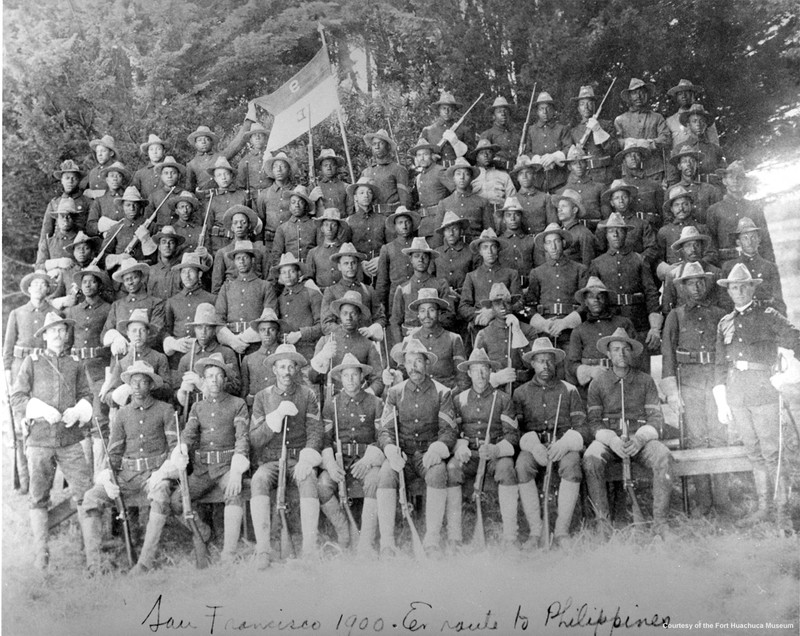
(68, 166)
(185, 195)
(105, 140)
(499, 291)
(130, 265)
(463, 164)
(93, 270)
(221, 163)
(430, 296)
(281, 156)
(66, 205)
(202, 131)
(329, 214)
(117, 166)
(412, 345)
(745, 224)
(693, 270)
(287, 259)
(131, 194)
(241, 247)
(574, 197)
(739, 274)
(695, 109)
(419, 244)
(169, 232)
(26, 281)
(252, 217)
(205, 314)
(673, 194)
(350, 298)
(544, 98)
(151, 140)
(526, 162)
(735, 169)
(690, 233)
(302, 192)
(285, 352)
(512, 203)
(620, 335)
(349, 361)
(543, 345)
(170, 162)
(81, 238)
(193, 260)
(576, 154)
(214, 360)
(139, 315)
(615, 219)
(616, 186)
(499, 102)
(367, 183)
(684, 85)
(51, 320)
(404, 211)
(328, 153)
(585, 92)
(553, 228)
(483, 144)
(255, 129)
(446, 99)
(684, 150)
(594, 284)
(383, 136)
(140, 367)
(451, 218)
(423, 144)
(268, 315)
(630, 147)
(487, 236)
(478, 356)
(348, 249)
(633, 85)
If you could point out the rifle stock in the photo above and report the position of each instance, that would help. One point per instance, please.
(287, 547)
(344, 500)
(405, 507)
(548, 478)
(627, 478)
(588, 132)
(132, 245)
(13, 433)
(455, 126)
(479, 537)
(103, 249)
(202, 240)
(200, 547)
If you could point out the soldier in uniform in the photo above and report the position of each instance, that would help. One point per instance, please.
(421, 409)
(104, 210)
(394, 263)
(319, 266)
(480, 409)
(688, 376)
(241, 223)
(69, 174)
(537, 210)
(450, 144)
(690, 248)
(250, 173)
(390, 177)
(685, 159)
(53, 254)
(492, 183)
(641, 235)
(550, 140)
(581, 246)
(516, 245)
(648, 197)
(203, 139)
(464, 202)
(146, 179)
(129, 237)
(224, 194)
(299, 305)
(430, 186)
(591, 192)
(544, 439)
(699, 121)
(624, 385)
(52, 394)
(105, 152)
(298, 234)
(291, 404)
(170, 173)
(367, 223)
(500, 133)
(330, 191)
(600, 144)
(455, 258)
(748, 340)
(163, 280)
(684, 94)
(272, 204)
(188, 223)
(256, 373)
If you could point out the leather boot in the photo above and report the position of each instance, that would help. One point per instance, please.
(508, 496)
(333, 511)
(39, 529)
(453, 507)
(435, 503)
(568, 493)
(386, 501)
(152, 535)
(529, 498)
(761, 513)
(232, 531)
(260, 513)
(22, 466)
(309, 521)
(369, 526)
(595, 471)
(91, 528)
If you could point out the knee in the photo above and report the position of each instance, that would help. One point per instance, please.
(436, 476)
(504, 473)
(526, 467)
(387, 478)
(569, 467)
(93, 499)
(161, 507)
(660, 457)
(370, 483)
(455, 473)
(308, 487)
(236, 500)
(260, 484)
(325, 486)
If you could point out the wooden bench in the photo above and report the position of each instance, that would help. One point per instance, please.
(693, 461)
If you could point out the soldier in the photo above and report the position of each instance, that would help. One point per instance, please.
(298, 234)
(645, 125)
(688, 376)
(104, 210)
(516, 245)
(455, 258)
(299, 305)
(146, 179)
(582, 244)
(394, 263)
(319, 266)
(582, 363)
(105, 152)
(250, 173)
(450, 144)
(641, 235)
(367, 224)
(330, 191)
(680, 208)
(431, 185)
(464, 202)
(699, 121)
(169, 172)
(81, 251)
(51, 392)
(273, 203)
(690, 248)
(286, 403)
(142, 437)
(492, 183)
(747, 342)
(537, 211)
(216, 435)
(590, 191)
(550, 140)
(203, 139)
(390, 177)
(421, 410)
(478, 410)
(500, 133)
(69, 174)
(163, 280)
(53, 254)
(223, 195)
(256, 373)
(723, 217)
(648, 197)
(545, 439)
(684, 94)
(619, 386)
(357, 417)
(130, 230)
(188, 223)
(600, 144)
(685, 159)
(748, 241)
(241, 223)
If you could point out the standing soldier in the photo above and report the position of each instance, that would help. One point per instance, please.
(684, 94)
(688, 376)
(225, 196)
(516, 245)
(501, 134)
(431, 185)
(455, 258)
(105, 152)
(617, 391)
(600, 145)
(686, 159)
(290, 404)
(699, 121)
(298, 305)
(367, 224)
(298, 234)
(390, 177)
(163, 280)
(464, 202)
(242, 223)
(52, 394)
(105, 209)
(250, 173)
(648, 197)
(493, 184)
(450, 144)
(546, 440)
(319, 267)
(421, 411)
(582, 244)
(256, 373)
(203, 140)
(550, 140)
(690, 248)
(537, 211)
(69, 174)
(478, 410)
(170, 173)
(185, 211)
(394, 262)
(748, 340)
(591, 192)
(147, 179)
(272, 204)
(640, 236)
(330, 191)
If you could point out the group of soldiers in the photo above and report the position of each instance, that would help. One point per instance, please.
(491, 311)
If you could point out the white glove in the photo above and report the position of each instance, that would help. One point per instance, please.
(540, 324)
(548, 161)
(180, 456)
(559, 158)
(322, 360)
(436, 452)
(370, 267)
(670, 387)
(512, 321)
(64, 301)
(391, 377)
(104, 224)
(374, 332)
(239, 464)
(250, 336)
(599, 135)
(81, 412)
(229, 339)
(646, 434)
(192, 380)
(293, 337)
(36, 409)
(586, 373)
(397, 459)
(530, 442)
(275, 419)
(177, 345)
(142, 233)
(310, 284)
(450, 137)
(116, 341)
(612, 440)
(315, 194)
(58, 263)
(306, 461)
(484, 316)
(571, 441)
(502, 377)
(330, 464)
(112, 260)
(724, 413)
(462, 453)
(121, 394)
(105, 480)
(592, 124)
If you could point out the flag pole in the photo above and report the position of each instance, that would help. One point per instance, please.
(311, 176)
(338, 109)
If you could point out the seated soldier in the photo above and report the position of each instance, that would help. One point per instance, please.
(223, 196)
(104, 211)
(298, 305)
(492, 183)
(552, 424)
(242, 223)
(690, 248)
(394, 264)
(685, 158)
(69, 174)
(417, 433)
(147, 178)
(163, 280)
(617, 392)
(649, 196)
(516, 245)
(590, 191)
(536, 209)
(466, 203)
(216, 437)
(367, 224)
(142, 437)
(256, 373)
(285, 414)
(351, 418)
(488, 431)
(187, 221)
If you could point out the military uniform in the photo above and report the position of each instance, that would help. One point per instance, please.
(243, 299)
(81, 215)
(591, 193)
(224, 268)
(392, 181)
(191, 231)
(552, 287)
(21, 340)
(705, 195)
(470, 206)
(354, 343)
(319, 266)
(122, 308)
(165, 214)
(449, 349)
(233, 383)
(454, 263)
(433, 135)
(104, 206)
(770, 292)
(180, 308)
(478, 284)
(394, 268)
(256, 373)
(601, 155)
(163, 281)
(296, 236)
(537, 211)
(673, 295)
(336, 291)
(722, 219)
(502, 136)
(641, 239)
(250, 172)
(300, 308)
(670, 232)
(646, 124)
(516, 252)
(272, 207)
(156, 359)
(402, 319)
(146, 180)
(582, 247)
(369, 230)
(493, 338)
(649, 200)
(547, 138)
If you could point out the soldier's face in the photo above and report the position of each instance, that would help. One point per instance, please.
(428, 315)
(38, 289)
(284, 371)
(65, 222)
(155, 152)
(330, 229)
(402, 225)
(620, 354)
(684, 98)
(697, 124)
(204, 334)
(620, 201)
(380, 148)
(554, 246)
(596, 302)
(167, 247)
(364, 196)
(351, 380)
(452, 233)
(190, 276)
(137, 334)
(633, 160)
(268, 331)
(416, 366)
(696, 288)
(328, 168)
(169, 176)
(545, 112)
(258, 141)
(638, 96)
(280, 170)
(447, 111)
(423, 158)
(525, 178)
(132, 281)
(82, 253)
(70, 181)
(130, 209)
(140, 384)
(741, 293)
(586, 107)
(56, 337)
(484, 158)
(349, 316)
(749, 242)
(289, 275)
(544, 366)
(692, 251)
(616, 237)
(479, 374)
(240, 226)
(512, 219)
(501, 116)
(566, 211)
(489, 252)
(420, 261)
(733, 183)
(578, 168)
(184, 210)
(102, 153)
(500, 307)
(203, 143)
(297, 206)
(90, 286)
(115, 179)
(348, 266)
(214, 380)
(687, 166)
(243, 262)
(223, 177)
(462, 178)
(681, 208)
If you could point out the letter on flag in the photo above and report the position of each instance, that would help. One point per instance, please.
(312, 91)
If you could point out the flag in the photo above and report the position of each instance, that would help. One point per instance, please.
(302, 102)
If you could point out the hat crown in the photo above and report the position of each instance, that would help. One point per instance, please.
(635, 83)
(153, 139)
(595, 283)
(420, 243)
(215, 359)
(205, 314)
(268, 315)
(66, 205)
(693, 270)
(347, 249)
(106, 140)
(573, 195)
(499, 102)
(447, 97)
(202, 129)
(482, 144)
(499, 291)
(190, 258)
(479, 355)
(460, 162)
(619, 334)
(544, 96)
(739, 274)
(222, 162)
(512, 203)
(351, 297)
(80, 237)
(116, 165)
(285, 348)
(552, 228)
(615, 220)
(50, 318)
(287, 259)
(488, 233)
(140, 366)
(326, 153)
(633, 144)
(168, 230)
(678, 191)
(541, 343)
(132, 194)
(169, 159)
(349, 360)
(574, 153)
(746, 224)
(69, 166)
(301, 190)
(331, 214)
(427, 293)
(257, 127)
(245, 245)
(689, 232)
(586, 92)
(451, 217)
(139, 315)
(413, 345)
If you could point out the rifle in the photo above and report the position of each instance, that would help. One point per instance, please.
(391, 134)
(103, 249)
(588, 132)
(248, 195)
(548, 477)
(200, 547)
(405, 507)
(344, 501)
(188, 396)
(510, 385)
(329, 378)
(201, 241)
(682, 440)
(627, 479)
(13, 434)
(287, 547)
(527, 121)
(455, 126)
(146, 225)
(479, 537)
(119, 503)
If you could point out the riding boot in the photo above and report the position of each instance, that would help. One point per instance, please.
(386, 499)
(453, 507)
(508, 496)
(333, 511)
(232, 531)
(568, 493)
(152, 535)
(309, 521)
(529, 498)
(260, 513)
(435, 503)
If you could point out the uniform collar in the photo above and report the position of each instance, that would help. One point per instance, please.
(434, 333)
(246, 278)
(486, 392)
(145, 404)
(748, 307)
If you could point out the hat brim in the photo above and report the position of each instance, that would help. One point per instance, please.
(432, 147)
(180, 168)
(538, 240)
(336, 306)
(359, 255)
(706, 275)
(173, 202)
(513, 298)
(631, 190)
(475, 245)
(255, 323)
(122, 325)
(683, 118)
(126, 376)
(252, 217)
(602, 344)
(95, 241)
(101, 142)
(214, 322)
(408, 251)
(472, 155)
(580, 295)
(644, 152)
(201, 266)
(337, 370)
(445, 103)
(460, 221)
(675, 159)
(137, 267)
(201, 365)
(724, 282)
(202, 133)
(244, 250)
(59, 173)
(399, 356)
(268, 164)
(474, 170)
(704, 238)
(180, 240)
(275, 270)
(578, 204)
(376, 191)
(339, 161)
(560, 355)
(210, 171)
(528, 166)
(415, 219)
(692, 88)
(369, 137)
(146, 145)
(285, 355)
(124, 172)
(61, 321)
(439, 302)
(105, 281)
(464, 366)
(625, 93)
